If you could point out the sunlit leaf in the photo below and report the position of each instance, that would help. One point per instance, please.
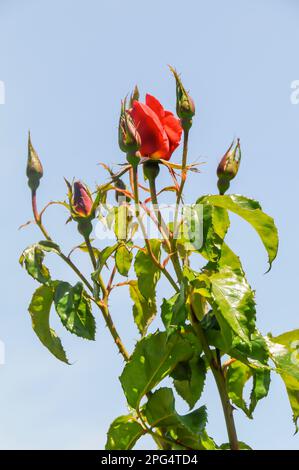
(123, 433)
(144, 310)
(215, 225)
(284, 352)
(123, 259)
(74, 309)
(234, 302)
(146, 271)
(154, 358)
(32, 258)
(160, 413)
(39, 310)
(237, 376)
(250, 211)
(48, 245)
(242, 446)
(174, 312)
(103, 257)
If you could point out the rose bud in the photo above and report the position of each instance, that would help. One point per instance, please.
(185, 106)
(160, 131)
(134, 96)
(34, 170)
(229, 166)
(82, 200)
(128, 137)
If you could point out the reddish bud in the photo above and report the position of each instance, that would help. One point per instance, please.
(82, 200)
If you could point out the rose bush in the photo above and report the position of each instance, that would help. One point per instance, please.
(209, 320)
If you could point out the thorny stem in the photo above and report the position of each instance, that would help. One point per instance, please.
(215, 365)
(91, 252)
(161, 224)
(37, 216)
(148, 245)
(153, 192)
(183, 178)
(102, 305)
(109, 322)
(151, 215)
(220, 382)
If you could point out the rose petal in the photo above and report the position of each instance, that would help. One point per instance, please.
(155, 105)
(154, 140)
(173, 130)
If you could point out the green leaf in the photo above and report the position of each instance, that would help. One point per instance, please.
(123, 260)
(48, 245)
(233, 302)
(250, 211)
(103, 257)
(242, 446)
(105, 254)
(261, 385)
(186, 440)
(160, 413)
(39, 310)
(284, 353)
(215, 226)
(32, 258)
(191, 386)
(230, 259)
(144, 310)
(153, 359)
(257, 350)
(174, 312)
(237, 376)
(146, 271)
(74, 309)
(123, 433)
(255, 353)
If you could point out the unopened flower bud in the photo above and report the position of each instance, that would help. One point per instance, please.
(185, 106)
(82, 200)
(128, 137)
(134, 96)
(229, 166)
(34, 170)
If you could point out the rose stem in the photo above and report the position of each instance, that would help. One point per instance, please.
(103, 307)
(148, 245)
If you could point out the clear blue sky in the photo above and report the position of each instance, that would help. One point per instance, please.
(66, 65)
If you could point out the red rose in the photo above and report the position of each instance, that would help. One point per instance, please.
(159, 130)
(82, 202)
